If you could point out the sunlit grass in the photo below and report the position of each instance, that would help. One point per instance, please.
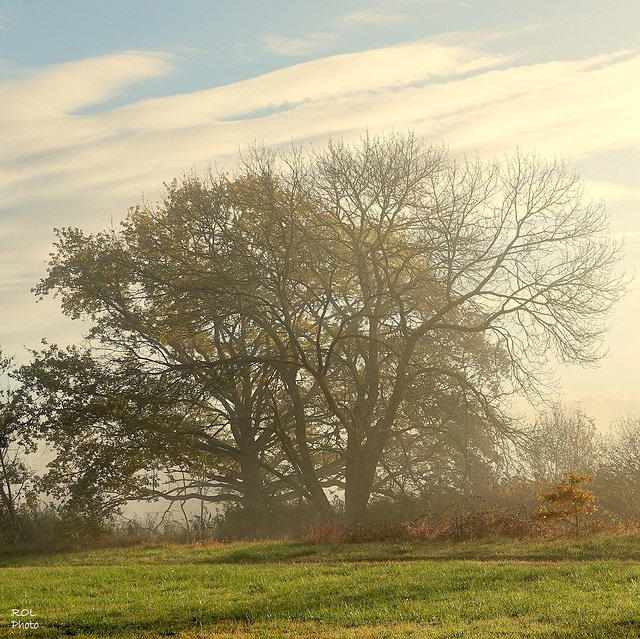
(497, 588)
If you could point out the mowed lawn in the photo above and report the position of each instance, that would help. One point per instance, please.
(498, 588)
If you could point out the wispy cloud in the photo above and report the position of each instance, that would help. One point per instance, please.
(342, 78)
(369, 18)
(422, 3)
(379, 14)
(383, 14)
(294, 47)
(38, 121)
(571, 108)
(64, 88)
(43, 135)
(469, 99)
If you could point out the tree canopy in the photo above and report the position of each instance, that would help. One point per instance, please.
(349, 321)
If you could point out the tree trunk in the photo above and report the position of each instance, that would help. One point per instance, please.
(6, 497)
(309, 477)
(255, 497)
(360, 473)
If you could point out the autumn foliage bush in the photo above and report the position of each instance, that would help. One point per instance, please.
(568, 503)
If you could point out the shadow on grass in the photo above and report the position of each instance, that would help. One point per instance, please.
(622, 548)
(437, 551)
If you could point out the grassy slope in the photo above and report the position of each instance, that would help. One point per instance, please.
(564, 589)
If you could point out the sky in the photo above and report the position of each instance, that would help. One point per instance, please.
(103, 102)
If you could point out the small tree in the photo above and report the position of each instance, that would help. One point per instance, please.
(567, 500)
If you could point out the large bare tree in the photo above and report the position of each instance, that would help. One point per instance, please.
(337, 308)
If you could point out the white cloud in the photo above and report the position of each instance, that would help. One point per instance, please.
(48, 139)
(294, 47)
(37, 113)
(68, 87)
(342, 77)
(571, 108)
(369, 18)
(457, 94)
(453, 93)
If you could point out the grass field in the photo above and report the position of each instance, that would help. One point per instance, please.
(500, 588)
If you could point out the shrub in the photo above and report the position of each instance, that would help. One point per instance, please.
(567, 502)
(471, 519)
(328, 532)
(474, 518)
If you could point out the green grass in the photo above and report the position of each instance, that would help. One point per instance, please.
(500, 588)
